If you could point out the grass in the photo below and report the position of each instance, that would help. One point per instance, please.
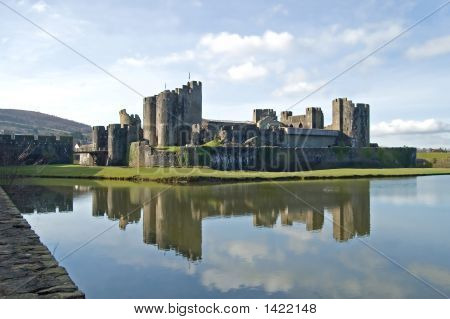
(213, 143)
(174, 175)
(432, 155)
(169, 148)
(436, 159)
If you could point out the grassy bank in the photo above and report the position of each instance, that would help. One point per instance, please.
(174, 175)
(436, 159)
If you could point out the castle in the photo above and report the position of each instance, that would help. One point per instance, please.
(173, 118)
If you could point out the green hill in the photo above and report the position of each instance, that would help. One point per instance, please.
(30, 123)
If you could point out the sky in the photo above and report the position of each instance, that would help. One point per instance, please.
(248, 54)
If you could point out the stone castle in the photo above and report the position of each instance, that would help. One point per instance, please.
(172, 120)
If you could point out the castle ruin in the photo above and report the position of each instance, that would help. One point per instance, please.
(173, 118)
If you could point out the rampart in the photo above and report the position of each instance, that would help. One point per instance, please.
(272, 158)
(30, 149)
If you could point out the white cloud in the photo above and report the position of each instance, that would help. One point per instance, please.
(40, 6)
(431, 48)
(247, 251)
(232, 43)
(400, 126)
(246, 71)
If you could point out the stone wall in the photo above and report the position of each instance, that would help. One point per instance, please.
(169, 116)
(99, 138)
(27, 268)
(149, 115)
(353, 121)
(117, 145)
(29, 149)
(273, 158)
(259, 114)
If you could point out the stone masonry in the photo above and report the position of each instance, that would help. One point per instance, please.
(27, 268)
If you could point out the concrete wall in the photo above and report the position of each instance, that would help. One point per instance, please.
(28, 149)
(274, 158)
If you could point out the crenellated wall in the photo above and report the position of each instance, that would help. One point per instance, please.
(169, 116)
(353, 121)
(29, 149)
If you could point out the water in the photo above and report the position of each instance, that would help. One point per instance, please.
(318, 239)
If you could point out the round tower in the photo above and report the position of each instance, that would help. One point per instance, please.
(166, 115)
(149, 113)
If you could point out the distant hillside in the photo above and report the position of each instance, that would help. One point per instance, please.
(30, 122)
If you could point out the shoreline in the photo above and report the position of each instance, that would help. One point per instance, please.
(197, 175)
(27, 268)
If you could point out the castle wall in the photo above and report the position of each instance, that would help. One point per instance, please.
(361, 125)
(167, 118)
(259, 114)
(133, 125)
(149, 117)
(352, 121)
(277, 158)
(28, 150)
(117, 145)
(296, 137)
(176, 112)
(99, 138)
(193, 104)
(314, 118)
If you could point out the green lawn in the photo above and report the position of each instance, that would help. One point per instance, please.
(436, 159)
(205, 174)
(431, 155)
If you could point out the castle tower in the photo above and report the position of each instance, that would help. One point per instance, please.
(117, 144)
(352, 121)
(314, 117)
(167, 117)
(193, 107)
(259, 114)
(149, 114)
(284, 117)
(133, 125)
(99, 138)
(361, 125)
(176, 112)
(343, 115)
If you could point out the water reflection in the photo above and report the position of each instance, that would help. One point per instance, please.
(172, 219)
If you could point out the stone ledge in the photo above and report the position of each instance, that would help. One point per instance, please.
(27, 268)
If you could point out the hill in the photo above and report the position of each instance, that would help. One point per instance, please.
(30, 122)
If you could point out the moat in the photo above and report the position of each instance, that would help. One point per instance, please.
(251, 240)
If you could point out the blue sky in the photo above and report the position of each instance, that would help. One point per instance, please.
(248, 54)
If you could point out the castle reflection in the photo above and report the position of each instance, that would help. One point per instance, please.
(172, 218)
